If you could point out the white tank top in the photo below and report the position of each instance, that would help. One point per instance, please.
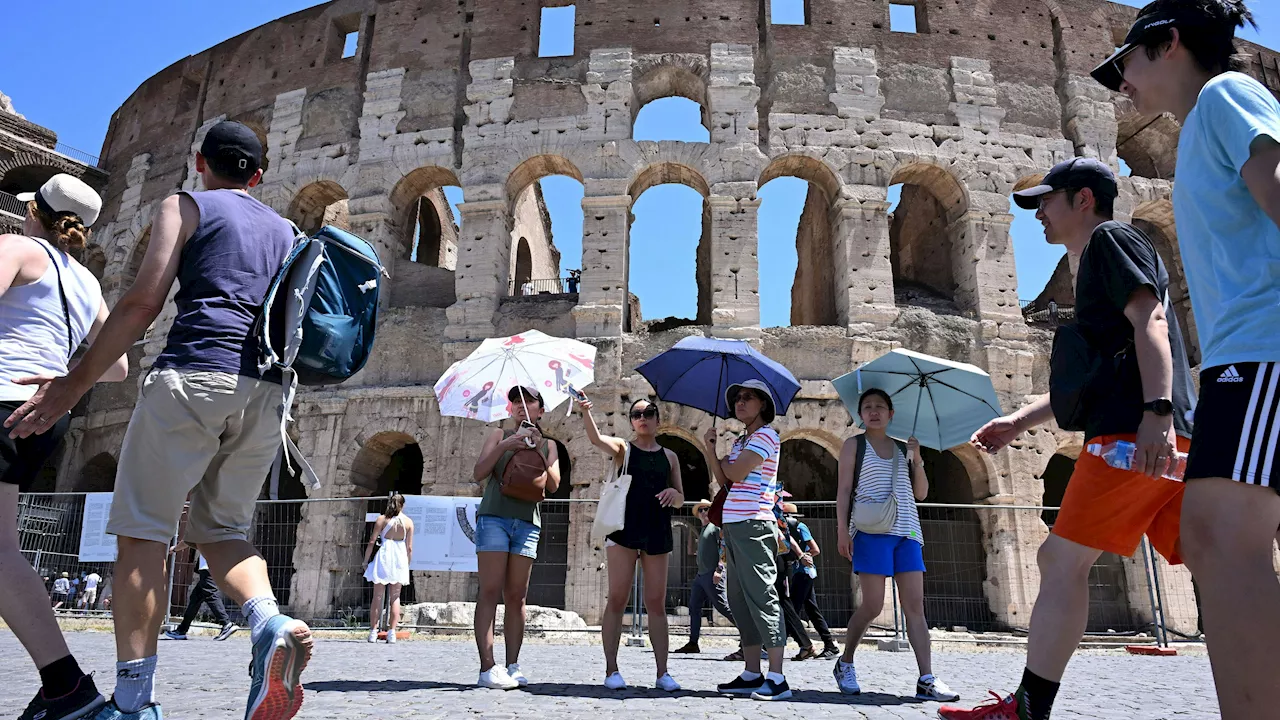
(33, 329)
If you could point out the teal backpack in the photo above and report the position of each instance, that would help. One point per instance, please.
(318, 320)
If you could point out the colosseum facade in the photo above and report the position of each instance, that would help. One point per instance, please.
(983, 97)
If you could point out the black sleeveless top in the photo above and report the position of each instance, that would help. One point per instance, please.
(647, 524)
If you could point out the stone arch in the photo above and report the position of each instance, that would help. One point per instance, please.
(550, 571)
(673, 173)
(373, 472)
(26, 172)
(694, 474)
(954, 545)
(320, 203)
(97, 475)
(671, 80)
(136, 256)
(418, 203)
(94, 259)
(522, 271)
(814, 287)
(925, 235)
(535, 168)
(808, 470)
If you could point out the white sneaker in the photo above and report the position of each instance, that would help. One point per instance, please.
(668, 683)
(373, 635)
(391, 636)
(513, 672)
(615, 681)
(930, 688)
(497, 678)
(847, 678)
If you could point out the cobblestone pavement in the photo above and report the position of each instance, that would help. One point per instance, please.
(349, 679)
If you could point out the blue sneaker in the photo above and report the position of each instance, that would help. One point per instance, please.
(111, 712)
(280, 654)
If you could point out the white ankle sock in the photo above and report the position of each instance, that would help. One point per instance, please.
(135, 684)
(748, 675)
(258, 611)
(775, 677)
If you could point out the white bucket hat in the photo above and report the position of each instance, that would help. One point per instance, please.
(64, 193)
(759, 386)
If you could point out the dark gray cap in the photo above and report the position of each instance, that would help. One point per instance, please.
(1071, 174)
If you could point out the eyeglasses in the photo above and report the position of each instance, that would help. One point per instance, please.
(646, 414)
(701, 511)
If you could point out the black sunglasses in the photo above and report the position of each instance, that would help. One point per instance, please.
(647, 413)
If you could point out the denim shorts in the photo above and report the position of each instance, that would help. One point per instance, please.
(886, 555)
(508, 535)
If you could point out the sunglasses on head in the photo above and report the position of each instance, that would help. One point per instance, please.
(648, 413)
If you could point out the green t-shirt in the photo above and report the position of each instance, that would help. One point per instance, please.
(495, 503)
(708, 549)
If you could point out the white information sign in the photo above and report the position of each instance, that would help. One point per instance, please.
(444, 535)
(95, 544)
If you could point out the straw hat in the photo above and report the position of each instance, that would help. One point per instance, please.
(791, 509)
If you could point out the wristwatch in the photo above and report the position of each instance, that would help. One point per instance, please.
(1162, 407)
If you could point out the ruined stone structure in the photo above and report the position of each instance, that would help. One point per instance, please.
(30, 155)
(983, 98)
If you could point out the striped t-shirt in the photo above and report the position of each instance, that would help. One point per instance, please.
(874, 486)
(754, 496)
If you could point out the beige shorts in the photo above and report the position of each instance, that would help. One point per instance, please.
(211, 434)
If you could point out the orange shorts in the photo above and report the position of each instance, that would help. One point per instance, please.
(1110, 509)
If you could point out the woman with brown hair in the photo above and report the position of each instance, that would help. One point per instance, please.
(507, 534)
(49, 304)
(393, 532)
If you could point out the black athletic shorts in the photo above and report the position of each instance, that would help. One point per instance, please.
(1237, 425)
(21, 460)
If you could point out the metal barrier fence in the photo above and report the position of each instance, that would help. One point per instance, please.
(545, 286)
(981, 577)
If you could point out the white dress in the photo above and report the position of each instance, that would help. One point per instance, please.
(391, 564)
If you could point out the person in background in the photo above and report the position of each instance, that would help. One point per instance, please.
(204, 591)
(49, 305)
(390, 567)
(708, 584)
(89, 599)
(784, 557)
(1180, 57)
(804, 574)
(645, 538)
(897, 553)
(507, 533)
(750, 471)
(61, 590)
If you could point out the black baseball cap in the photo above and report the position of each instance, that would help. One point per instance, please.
(232, 149)
(1149, 20)
(1072, 174)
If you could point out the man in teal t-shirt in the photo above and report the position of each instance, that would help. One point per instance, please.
(1226, 200)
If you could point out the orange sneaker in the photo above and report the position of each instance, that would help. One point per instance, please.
(999, 709)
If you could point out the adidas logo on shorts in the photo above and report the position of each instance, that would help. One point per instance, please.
(1230, 375)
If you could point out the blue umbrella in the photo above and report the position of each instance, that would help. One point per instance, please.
(697, 371)
(942, 403)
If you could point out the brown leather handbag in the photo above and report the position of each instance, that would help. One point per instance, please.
(525, 476)
(716, 513)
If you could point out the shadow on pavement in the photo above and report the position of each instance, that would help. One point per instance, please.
(599, 692)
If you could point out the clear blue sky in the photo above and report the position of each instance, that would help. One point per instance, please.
(104, 50)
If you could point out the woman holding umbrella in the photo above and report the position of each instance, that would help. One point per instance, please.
(885, 474)
(507, 531)
(646, 535)
(750, 471)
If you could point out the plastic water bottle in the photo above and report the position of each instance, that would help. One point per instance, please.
(1120, 454)
(811, 571)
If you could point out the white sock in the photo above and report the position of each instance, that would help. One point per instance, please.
(135, 684)
(259, 610)
(748, 675)
(926, 678)
(775, 677)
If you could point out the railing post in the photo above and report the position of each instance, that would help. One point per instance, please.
(1151, 570)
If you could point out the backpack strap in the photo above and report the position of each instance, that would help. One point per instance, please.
(62, 293)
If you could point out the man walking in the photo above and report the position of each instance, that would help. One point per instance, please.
(61, 590)
(804, 574)
(1180, 58)
(1141, 394)
(708, 585)
(204, 591)
(207, 422)
(90, 597)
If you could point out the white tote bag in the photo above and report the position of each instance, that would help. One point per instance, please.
(611, 512)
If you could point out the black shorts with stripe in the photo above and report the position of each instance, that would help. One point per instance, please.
(1237, 425)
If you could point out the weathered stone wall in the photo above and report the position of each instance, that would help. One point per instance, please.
(986, 96)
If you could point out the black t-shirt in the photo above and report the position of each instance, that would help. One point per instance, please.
(1118, 260)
